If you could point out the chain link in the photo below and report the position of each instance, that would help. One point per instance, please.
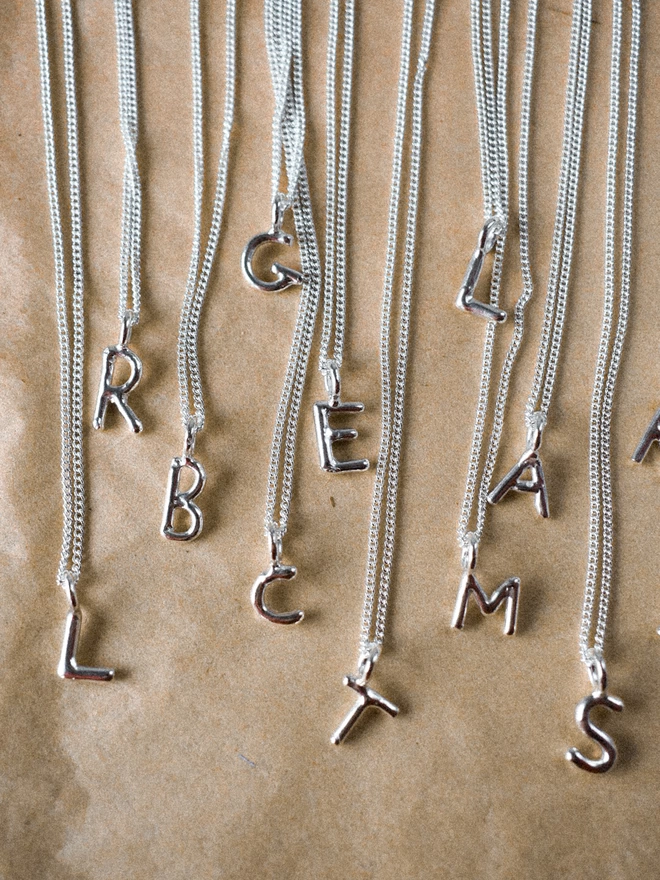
(190, 383)
(389, 457)
(131, 223)
(336, 176)
(284, 41)
(600, 557)
(70, 317)
(492, 124)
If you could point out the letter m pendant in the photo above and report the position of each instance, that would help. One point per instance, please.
(507, 593)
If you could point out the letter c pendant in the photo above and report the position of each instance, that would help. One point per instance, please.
(275, 572)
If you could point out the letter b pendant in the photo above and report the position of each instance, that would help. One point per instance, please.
(176, 499)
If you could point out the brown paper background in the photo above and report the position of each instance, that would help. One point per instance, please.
(209, 756)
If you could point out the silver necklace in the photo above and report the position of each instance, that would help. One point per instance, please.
(600, 562)
(538, 404)
(129, 259)
(334, 286)
(283, 42)
(382, 526)
(191, 398)
(71, 334)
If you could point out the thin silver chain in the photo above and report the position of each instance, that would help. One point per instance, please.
(381, 535)
(190, 383)
(284, 40)
(564, 231)
(131, 223)
(336, 177)
(493, 146)
(70, 315)
(600, 558)
(284, 46)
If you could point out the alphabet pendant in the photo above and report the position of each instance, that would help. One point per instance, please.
(176, 499)
(326, 436)
(366, 696)
(109, 393)
(275, 572)
(284, 277)
(651, 435)
(490, 232)
(68, 667)
(529, 461)
(599, 697)
(507, 593)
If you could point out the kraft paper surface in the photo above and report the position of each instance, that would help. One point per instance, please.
(209, 755)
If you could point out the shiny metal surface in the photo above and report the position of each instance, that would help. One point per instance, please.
(492, 229)
(117, 394)
(366, 696)
(599, 697)
(508, 593)
(529, 461)
(275, 572)
(284, 277)
(68, 667)
(651, 435)
(176, 499)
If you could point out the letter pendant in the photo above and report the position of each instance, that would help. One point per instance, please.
(68, 667)
(275, 572)
(508, 593)
(176, 499)
(599, 697)
(651, 435)
(116, 394)
(491, 231)
(529, 461)
(326, 436)
(366, 697)
(284, 277)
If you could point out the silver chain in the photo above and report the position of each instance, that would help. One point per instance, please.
(190, 383)
(609, 352)
(563, 236)
(129, 259)
(492, 124)
(284, 46)
(336, 176)
(70, 316)
(284, 41)
(381, 539)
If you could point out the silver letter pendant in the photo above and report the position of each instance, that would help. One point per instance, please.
(326, 436)
(68, 667)
(599, 697)
(117, 394)
(529, 461)
(366, 696)
(651, 435)
(275, 572)
(175, 498)
(284, 277)
(465, 300)
(508, 593)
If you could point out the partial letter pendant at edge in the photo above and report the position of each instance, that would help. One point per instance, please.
(366, 696)
(529, 461)
(599, 697)
(284, 277)
(326, 436)
(176, 499)
(508, 593)
(275, 572)
(465, 301)
(651, 435)
(117, 394)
